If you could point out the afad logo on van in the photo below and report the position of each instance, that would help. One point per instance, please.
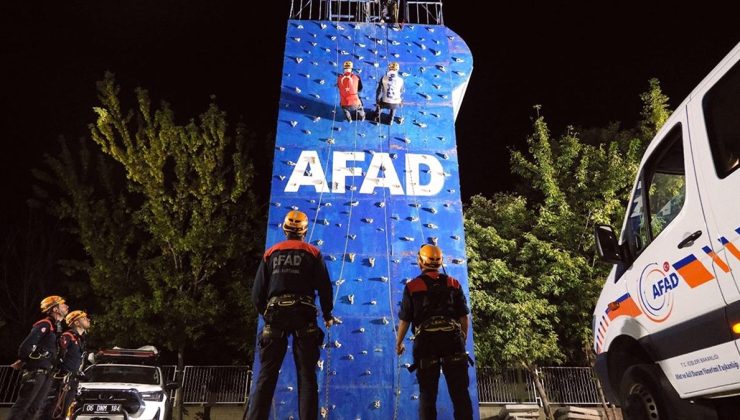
(656, 291)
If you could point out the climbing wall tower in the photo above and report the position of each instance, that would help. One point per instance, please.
(373, 192)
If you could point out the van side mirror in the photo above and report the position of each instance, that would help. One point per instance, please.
(607, 245)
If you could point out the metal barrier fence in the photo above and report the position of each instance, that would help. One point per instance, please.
(508, 387)
(570, 385)
(201, 384)
(230, 385)
(564, 385)
(10, 382)
(425, 12)
(216, 384)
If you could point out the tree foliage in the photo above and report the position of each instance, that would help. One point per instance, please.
(533, 273)
(166, 217)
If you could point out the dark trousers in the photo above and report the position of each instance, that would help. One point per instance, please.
(46, 411)
(357, 110)
(384, 105)
(434, 347)
(34, 388)
(305, 355)
(58, 398)
(69, 396)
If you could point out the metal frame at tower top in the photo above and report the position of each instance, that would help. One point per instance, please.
(426, 12)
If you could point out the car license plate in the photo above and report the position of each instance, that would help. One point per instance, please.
(101, 408)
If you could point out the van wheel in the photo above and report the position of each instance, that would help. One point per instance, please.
(646, 394)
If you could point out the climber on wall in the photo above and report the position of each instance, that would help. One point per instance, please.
(389, 92)
(350, 85)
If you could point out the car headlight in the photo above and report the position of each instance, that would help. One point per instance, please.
(153, 396)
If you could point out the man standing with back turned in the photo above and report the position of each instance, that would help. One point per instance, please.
(435, 304)
(284, 292)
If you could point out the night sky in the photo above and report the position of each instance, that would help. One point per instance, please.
(585, 65)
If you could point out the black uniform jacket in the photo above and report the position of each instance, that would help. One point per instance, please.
(412, 304)
(39, 349)
(292, 267)
(72, 347)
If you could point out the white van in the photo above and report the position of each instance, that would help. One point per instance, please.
(667, 323)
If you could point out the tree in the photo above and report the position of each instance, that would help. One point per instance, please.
(532, 265)
(167, 219)
(28, 273)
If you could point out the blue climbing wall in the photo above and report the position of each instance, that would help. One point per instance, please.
(374, 193)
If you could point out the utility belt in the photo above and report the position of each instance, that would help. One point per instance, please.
(454, 359)
(271, 331)
(33, 372)
(289, 301)
(438, 324)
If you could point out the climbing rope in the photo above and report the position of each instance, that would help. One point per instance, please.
(397, 367)
(340, 280)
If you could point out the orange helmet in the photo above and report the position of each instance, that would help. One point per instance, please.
(393, 66)
(295, 222)
(74, 316)
(50, 301)
(430, 257)
(347, 65)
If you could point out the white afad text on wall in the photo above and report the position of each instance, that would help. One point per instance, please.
(381, 173)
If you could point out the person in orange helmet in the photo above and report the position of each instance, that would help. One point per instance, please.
(435, 305)
(350, 86)
(71, 358)
(37, 355)
(284, 292)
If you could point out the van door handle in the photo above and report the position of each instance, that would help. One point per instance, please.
(689, 240)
